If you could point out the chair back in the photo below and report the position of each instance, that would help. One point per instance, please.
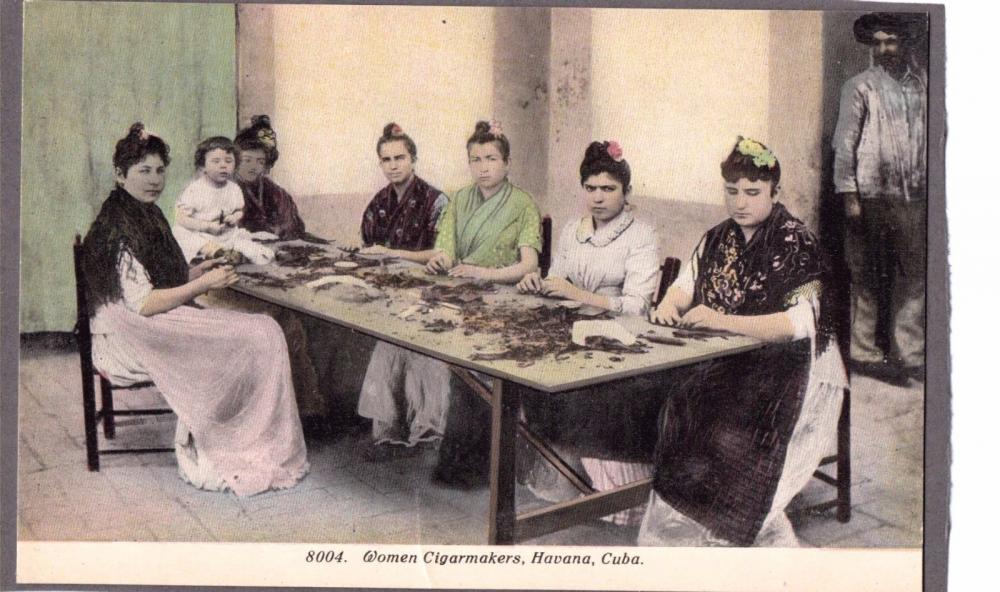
(545, 257)
(82, 328)
(669, 271)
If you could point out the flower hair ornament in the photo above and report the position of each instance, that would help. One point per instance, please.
(267, 137)
(396, 131)
(762, 157)
(615, 151)
(495, 128)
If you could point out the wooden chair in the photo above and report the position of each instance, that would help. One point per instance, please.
(669, 271)
(842, 481)
(545, 257)
(107, 413)
(842, 458)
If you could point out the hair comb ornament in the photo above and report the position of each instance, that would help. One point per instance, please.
(495, 128)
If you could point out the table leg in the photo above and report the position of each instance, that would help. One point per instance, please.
(503, 514)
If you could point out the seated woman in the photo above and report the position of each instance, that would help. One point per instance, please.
(401, 220)
(607, 260)
(404, 393)
(489, 231)
(267, 207)
(225, 374)
(739, 436)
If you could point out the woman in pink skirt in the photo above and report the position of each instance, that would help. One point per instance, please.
(225, 374)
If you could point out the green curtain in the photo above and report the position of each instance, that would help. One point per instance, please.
(90, 70)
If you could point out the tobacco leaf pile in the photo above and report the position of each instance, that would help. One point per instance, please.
(310, 263)
(461, 294)
(302, 256)
(263, 279)
(531, 334)
(399, 281)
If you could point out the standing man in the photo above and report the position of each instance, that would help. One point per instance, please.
(880, 170)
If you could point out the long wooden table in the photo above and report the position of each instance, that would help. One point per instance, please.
(377, 313)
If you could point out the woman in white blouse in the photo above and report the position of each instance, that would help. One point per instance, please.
(606, 260)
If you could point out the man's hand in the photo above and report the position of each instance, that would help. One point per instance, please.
(852, 205)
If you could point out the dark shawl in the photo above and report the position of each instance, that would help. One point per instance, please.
(404, 223)
(125, 223)
(269, 208)
(725, 427)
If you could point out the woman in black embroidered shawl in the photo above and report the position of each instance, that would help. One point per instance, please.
(225, 374)
(733, 445)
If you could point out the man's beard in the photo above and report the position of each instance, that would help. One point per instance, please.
(892, 62)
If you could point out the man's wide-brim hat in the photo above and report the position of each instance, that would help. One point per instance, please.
(908, 26)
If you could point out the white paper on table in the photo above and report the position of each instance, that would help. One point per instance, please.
(610, 329)
(263, 235)
(339, 279)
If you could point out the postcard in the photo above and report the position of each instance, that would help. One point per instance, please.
(497, 296)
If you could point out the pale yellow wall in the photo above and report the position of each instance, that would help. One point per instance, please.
(675, 88)
(342, 72)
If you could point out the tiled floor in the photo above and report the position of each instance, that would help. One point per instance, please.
(345, 499)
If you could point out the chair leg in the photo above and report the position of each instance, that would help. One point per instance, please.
(844, 460)
(107, 409)
(90, 422)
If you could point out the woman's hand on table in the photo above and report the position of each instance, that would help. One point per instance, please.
(560, 288)
(440, 263)
(704, 317)
(218, 278)
(464, 270)
(200, 269)
(531, 283)
(665, 314)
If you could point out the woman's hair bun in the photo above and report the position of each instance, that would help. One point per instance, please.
(596, 151)
(482, 127)
(259, 121)
(136, 129)
(387, 131)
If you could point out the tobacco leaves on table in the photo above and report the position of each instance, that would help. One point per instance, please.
(460, 294)
(531, 334)
(399, 281)
(312, 262)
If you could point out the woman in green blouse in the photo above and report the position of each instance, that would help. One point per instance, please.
(490, 230)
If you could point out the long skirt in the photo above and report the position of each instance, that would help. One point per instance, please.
(405, 394)
(724, 435)
(813, 438)
(312, 403)
(226, 375)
